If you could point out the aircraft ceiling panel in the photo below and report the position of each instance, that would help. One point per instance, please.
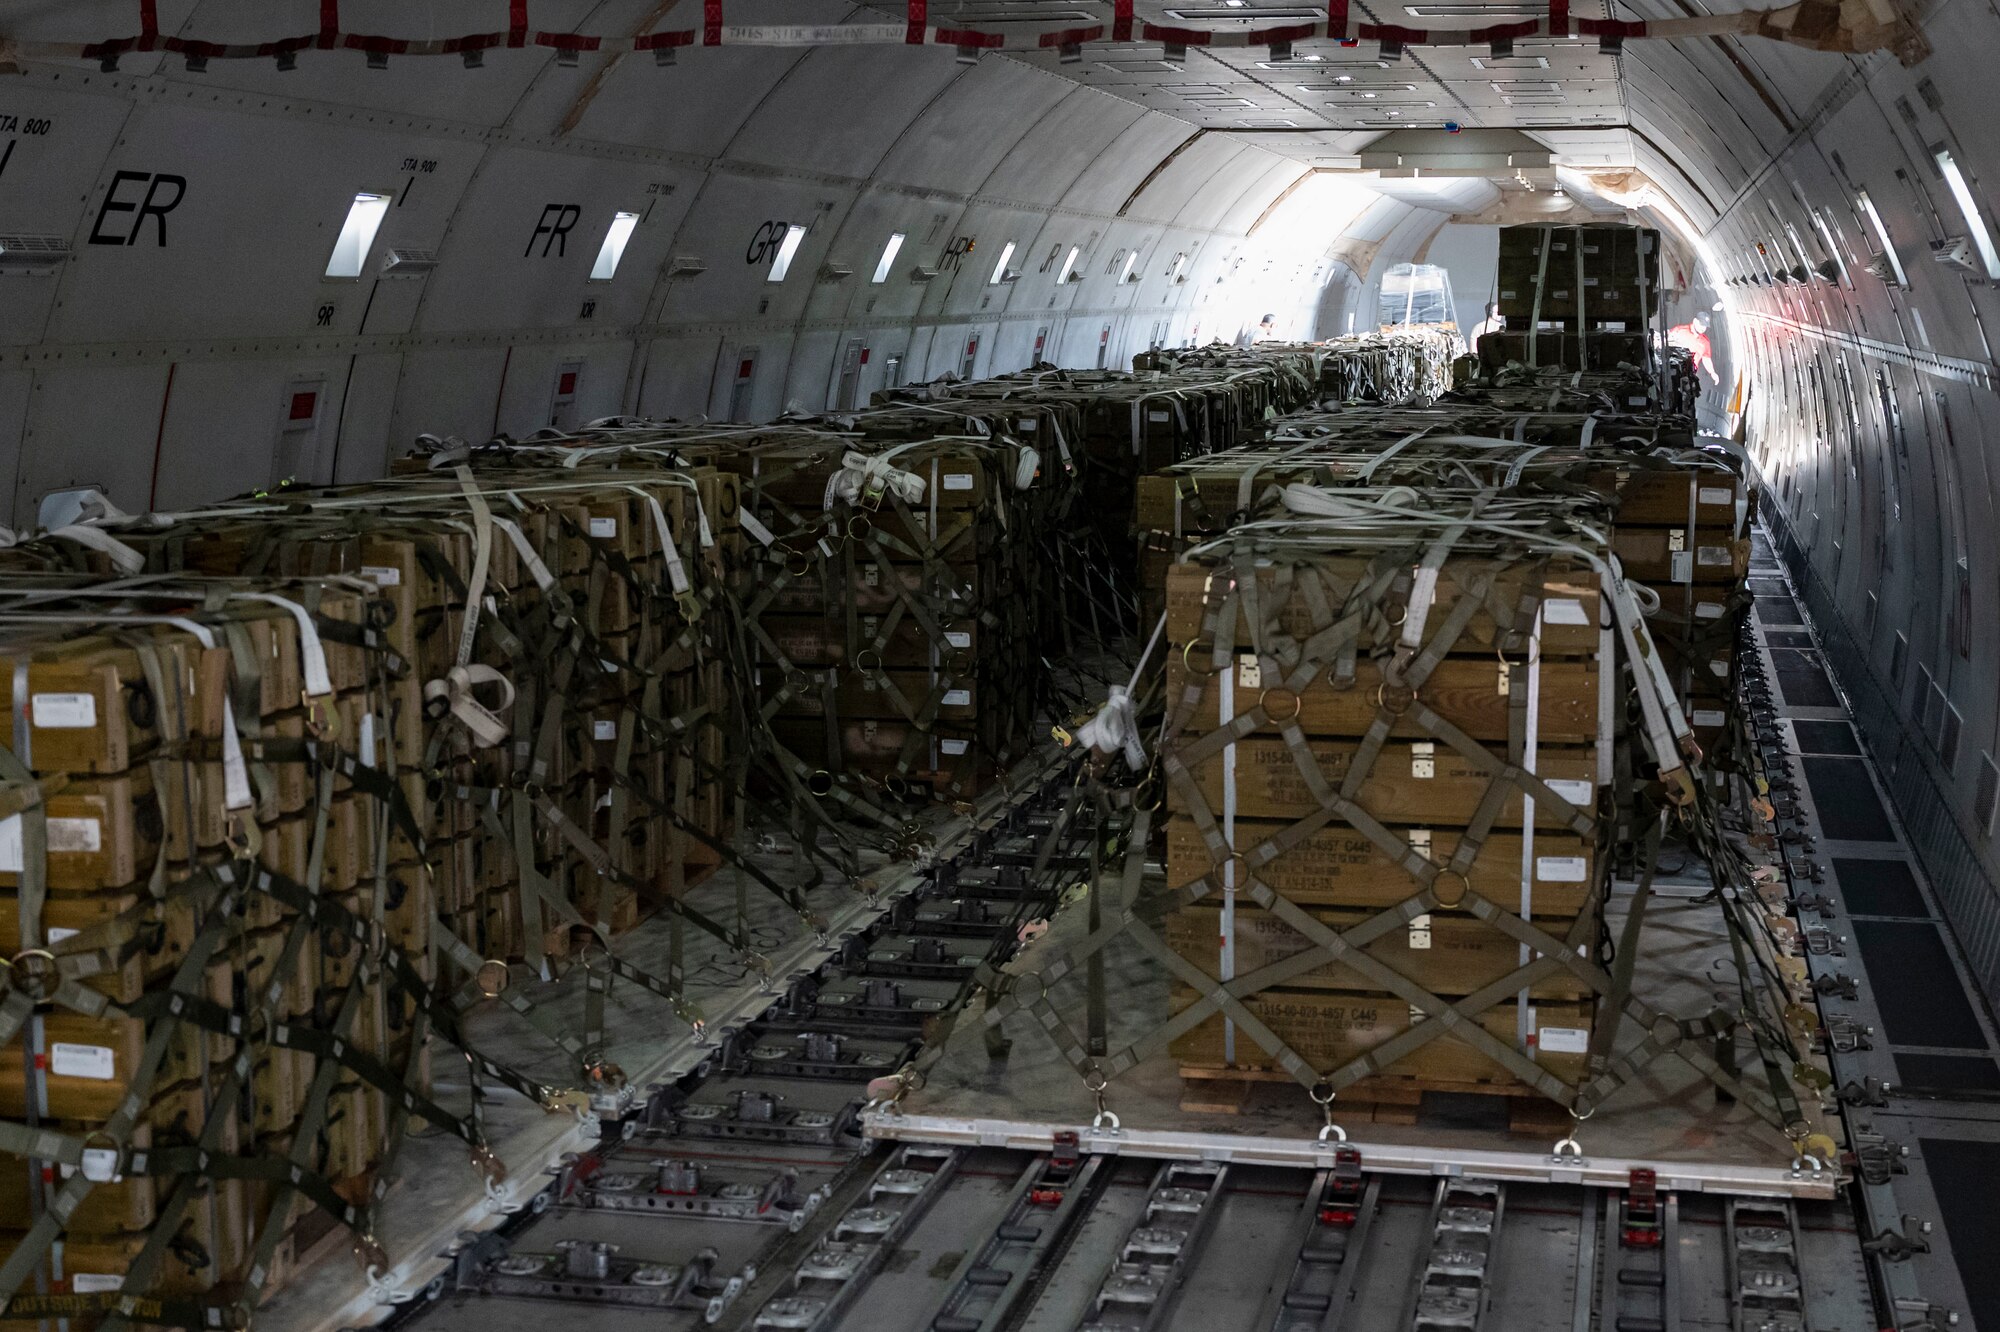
(813, 120)
(960, 138)
(694, 107)
(1075, 138)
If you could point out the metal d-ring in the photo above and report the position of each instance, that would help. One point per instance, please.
(1264, 702)
(1399, 708)
(804, 566)
(1104, 1117)
(1567, 1145)
(1330, 1131)
(1187, 660)
(1456, 899)
(862, 662)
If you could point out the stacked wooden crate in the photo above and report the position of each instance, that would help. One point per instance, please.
(891, 587)
(1591, 493)
(1318, 761)
(1127, 425)
(894, 609)
(1578, 297)
(157, 750)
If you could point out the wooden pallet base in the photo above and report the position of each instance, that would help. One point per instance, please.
(1382, 1100)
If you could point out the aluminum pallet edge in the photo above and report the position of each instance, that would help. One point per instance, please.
(1306, 1153)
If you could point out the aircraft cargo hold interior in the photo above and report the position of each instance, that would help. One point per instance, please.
(999, 665)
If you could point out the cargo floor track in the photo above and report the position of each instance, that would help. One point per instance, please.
(749, 1199)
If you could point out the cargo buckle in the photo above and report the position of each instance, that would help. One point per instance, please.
(321, 719)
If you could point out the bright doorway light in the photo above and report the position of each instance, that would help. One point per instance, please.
(787, 248)
(1000, 269)
(1131, 262)
(357, 235)
(888, 258)
(613, 249)
(1069, 264)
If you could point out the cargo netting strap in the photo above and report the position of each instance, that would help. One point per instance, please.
(1479, 561)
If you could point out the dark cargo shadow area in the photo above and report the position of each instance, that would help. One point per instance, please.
(1965, 1175)
(1915, 987)
(1947, 1073)
(1879, 888)
(1778, 610)
(1846, 800)
(1826, 737)
(1802, 679)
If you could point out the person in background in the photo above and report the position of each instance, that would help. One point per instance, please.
(1267, 328)
(1693, 335)
(1492, 323)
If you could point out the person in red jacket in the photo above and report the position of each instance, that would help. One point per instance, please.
(1693, 335)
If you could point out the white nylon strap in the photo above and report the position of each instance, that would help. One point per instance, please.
(1115, 729)
(482, 535)
(312, 655)
(1368, 472)
(1227, 943)
(123, 558)
(536, 568)
(676, 572)
(487, 727)
(861, 473)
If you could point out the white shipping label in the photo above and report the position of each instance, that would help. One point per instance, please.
(952, 747)
(95, 1283)
(1579, 793)
(604, 527)
(76, 836)
(958, 698)
(1715, 495)
(958, 480)
(1719, 668)
(1708, 610)
(57, 934)
(64, 711)
(604, 730)
(958, 638)
(83, 1061)
(1158, 415)
(1564, 610)
(1713, 557)
(1680, 566)
(100, 1165)
(367, 740)
(1564, 1040)
(1708, 717)
(383, 574)
(1560, 869)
